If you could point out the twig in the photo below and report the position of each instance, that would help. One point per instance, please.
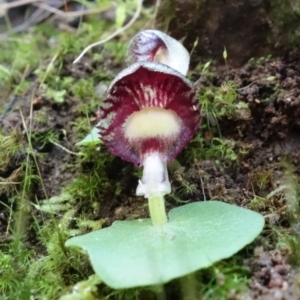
(9, 218)
(28, 132)
(49, 68)
(203, 190)
(124, 28)
(70, 14)
(37, 16)
(198, 82)
(65, 149)
(240, 89)
(9, 106)
(17, 3)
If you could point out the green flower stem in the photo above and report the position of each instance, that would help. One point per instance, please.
(190, 288)
(157, 210)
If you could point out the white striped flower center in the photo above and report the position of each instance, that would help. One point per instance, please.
(152, 122)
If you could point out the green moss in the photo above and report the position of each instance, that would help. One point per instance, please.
(217, 149)
(42, 139)
(9, 146)
(221, 102)
(84, 88)
(92, 175)
(116, 50)
(227, 280)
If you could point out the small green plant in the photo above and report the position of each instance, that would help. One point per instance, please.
(260, 60)
(217, 149)
(89, 185)
(150, 130)
(225, 280)
(41, 139)
(8, 148)
(220, 102)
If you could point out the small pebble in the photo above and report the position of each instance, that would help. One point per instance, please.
(275, 282)
(101, 89)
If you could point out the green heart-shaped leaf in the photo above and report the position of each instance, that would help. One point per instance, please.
(135, 253)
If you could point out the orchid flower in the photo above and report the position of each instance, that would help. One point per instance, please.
(155, 46)
(149, 115)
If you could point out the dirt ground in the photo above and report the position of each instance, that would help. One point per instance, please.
(269, 135)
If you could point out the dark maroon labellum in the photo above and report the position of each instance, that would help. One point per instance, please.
(126, 125)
